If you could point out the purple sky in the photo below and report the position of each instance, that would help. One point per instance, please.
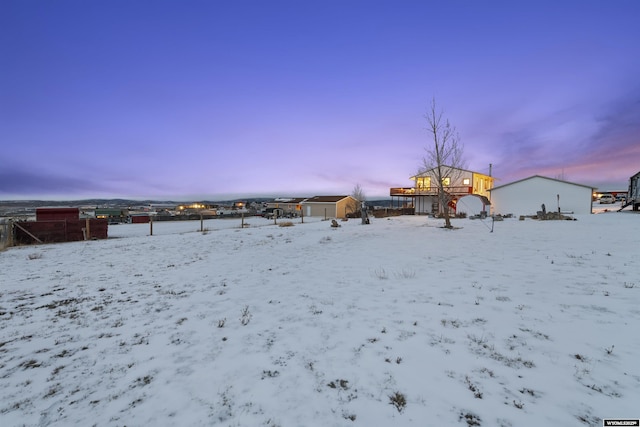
(205, 99)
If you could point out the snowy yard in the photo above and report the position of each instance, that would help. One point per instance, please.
(395, 323)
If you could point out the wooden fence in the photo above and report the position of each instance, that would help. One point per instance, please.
(68, 230)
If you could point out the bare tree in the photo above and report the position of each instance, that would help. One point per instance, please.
(358, 194)
(443, 160)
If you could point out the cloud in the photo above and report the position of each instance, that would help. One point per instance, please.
(602, 147)
(15, 181)
(619, 130)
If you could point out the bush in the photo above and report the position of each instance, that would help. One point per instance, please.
(398, 400)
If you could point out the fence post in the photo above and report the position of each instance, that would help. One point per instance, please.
(150, 225)
(88, 225)
(4, 230)
(201, 223)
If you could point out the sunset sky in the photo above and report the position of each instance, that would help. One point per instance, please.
(210, 99)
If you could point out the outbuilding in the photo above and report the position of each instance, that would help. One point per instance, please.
(526, 197)
(330, 206)
(57, 214)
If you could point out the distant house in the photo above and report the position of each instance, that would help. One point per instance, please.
(423, 196)
(289, 205)
(113, 215)
(329, 206)
(526, 196)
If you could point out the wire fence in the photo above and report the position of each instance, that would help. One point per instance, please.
(7, 237)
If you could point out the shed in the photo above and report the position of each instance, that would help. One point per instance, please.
(57, 214)
(526, 196)
(330, 206)
(139, 218)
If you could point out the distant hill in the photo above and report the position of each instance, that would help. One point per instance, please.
(127, 202)
(115, 202)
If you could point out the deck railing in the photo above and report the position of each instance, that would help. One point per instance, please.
(429, 191)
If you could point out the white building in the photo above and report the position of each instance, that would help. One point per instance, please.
(526, 197)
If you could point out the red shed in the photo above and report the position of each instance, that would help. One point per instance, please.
(137, 219)
(57, 214)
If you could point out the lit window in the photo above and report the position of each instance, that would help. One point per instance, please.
(423, 182)
(466, 181)
(446, 181)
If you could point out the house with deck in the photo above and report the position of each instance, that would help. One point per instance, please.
(459, 184)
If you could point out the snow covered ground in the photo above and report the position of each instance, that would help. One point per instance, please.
(395, 323)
